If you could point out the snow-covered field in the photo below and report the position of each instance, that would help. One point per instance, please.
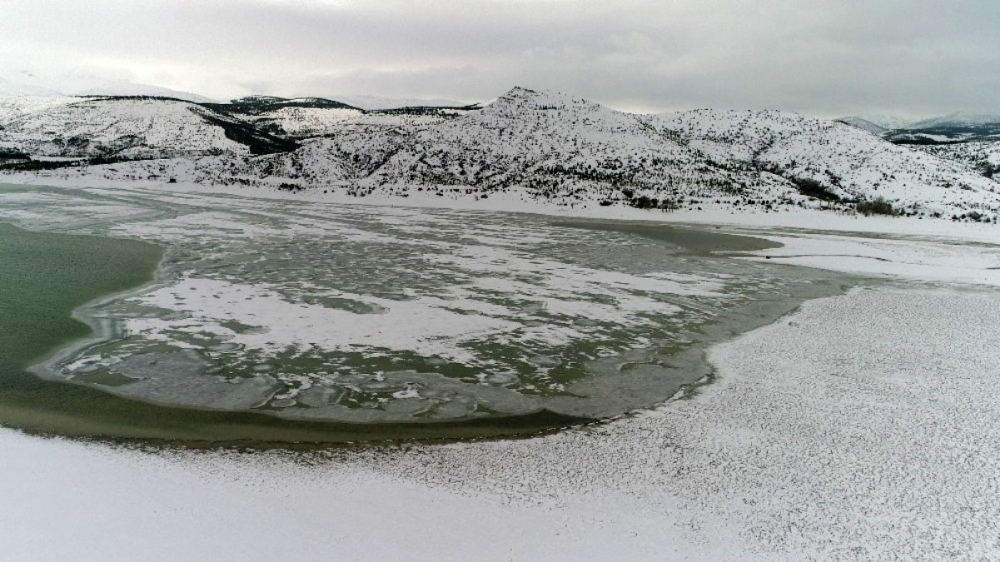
(859, 427)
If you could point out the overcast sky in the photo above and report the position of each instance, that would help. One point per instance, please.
(824, 57)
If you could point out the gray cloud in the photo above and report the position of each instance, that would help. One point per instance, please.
(822, 56)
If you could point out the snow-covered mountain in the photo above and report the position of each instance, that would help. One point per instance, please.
(877, 121)
(379, 102)
(969, 139)
(864, 125)
(27, 83)
(959, 126)
(125, 128)
(548, 146)
(528, 145)
(826, 159)
(945, 134)
(957, 120)
(11, 88)
(131, 89)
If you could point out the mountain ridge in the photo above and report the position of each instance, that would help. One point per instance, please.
(537, 145)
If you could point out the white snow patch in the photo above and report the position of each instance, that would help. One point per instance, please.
(422, 326)
(917, 259)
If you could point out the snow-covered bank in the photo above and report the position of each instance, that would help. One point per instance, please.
(787, 218)
(863, 427)
(64, 500)
(941, 260)
(905, 247)
(860, 427)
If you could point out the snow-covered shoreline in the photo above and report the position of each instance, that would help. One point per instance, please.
(918, 249)
(792, 218)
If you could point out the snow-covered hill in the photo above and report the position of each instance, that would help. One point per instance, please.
(11, 88)
(313, 117)
(983, 156)
(13, 107)
(379, 102)
(864, 125)
(121, 128)
(120, 88)
(528, 145)
(825, 156)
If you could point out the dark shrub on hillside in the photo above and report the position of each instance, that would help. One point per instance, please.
(644, 202)
(877, 207)
(11, 154)
(668, 205)
(812, 188)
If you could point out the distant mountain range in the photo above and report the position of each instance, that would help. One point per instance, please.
(955, 127)
(525, 146)
(969, 138)
(379, 102)
(11, 88)
(23, 83)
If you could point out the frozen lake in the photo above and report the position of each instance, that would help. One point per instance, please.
(401, 318)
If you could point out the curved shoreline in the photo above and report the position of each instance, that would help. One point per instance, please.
(102, 330)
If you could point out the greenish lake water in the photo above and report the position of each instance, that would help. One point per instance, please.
(45, 276)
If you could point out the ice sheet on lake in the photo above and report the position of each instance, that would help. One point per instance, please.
(407, 313)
